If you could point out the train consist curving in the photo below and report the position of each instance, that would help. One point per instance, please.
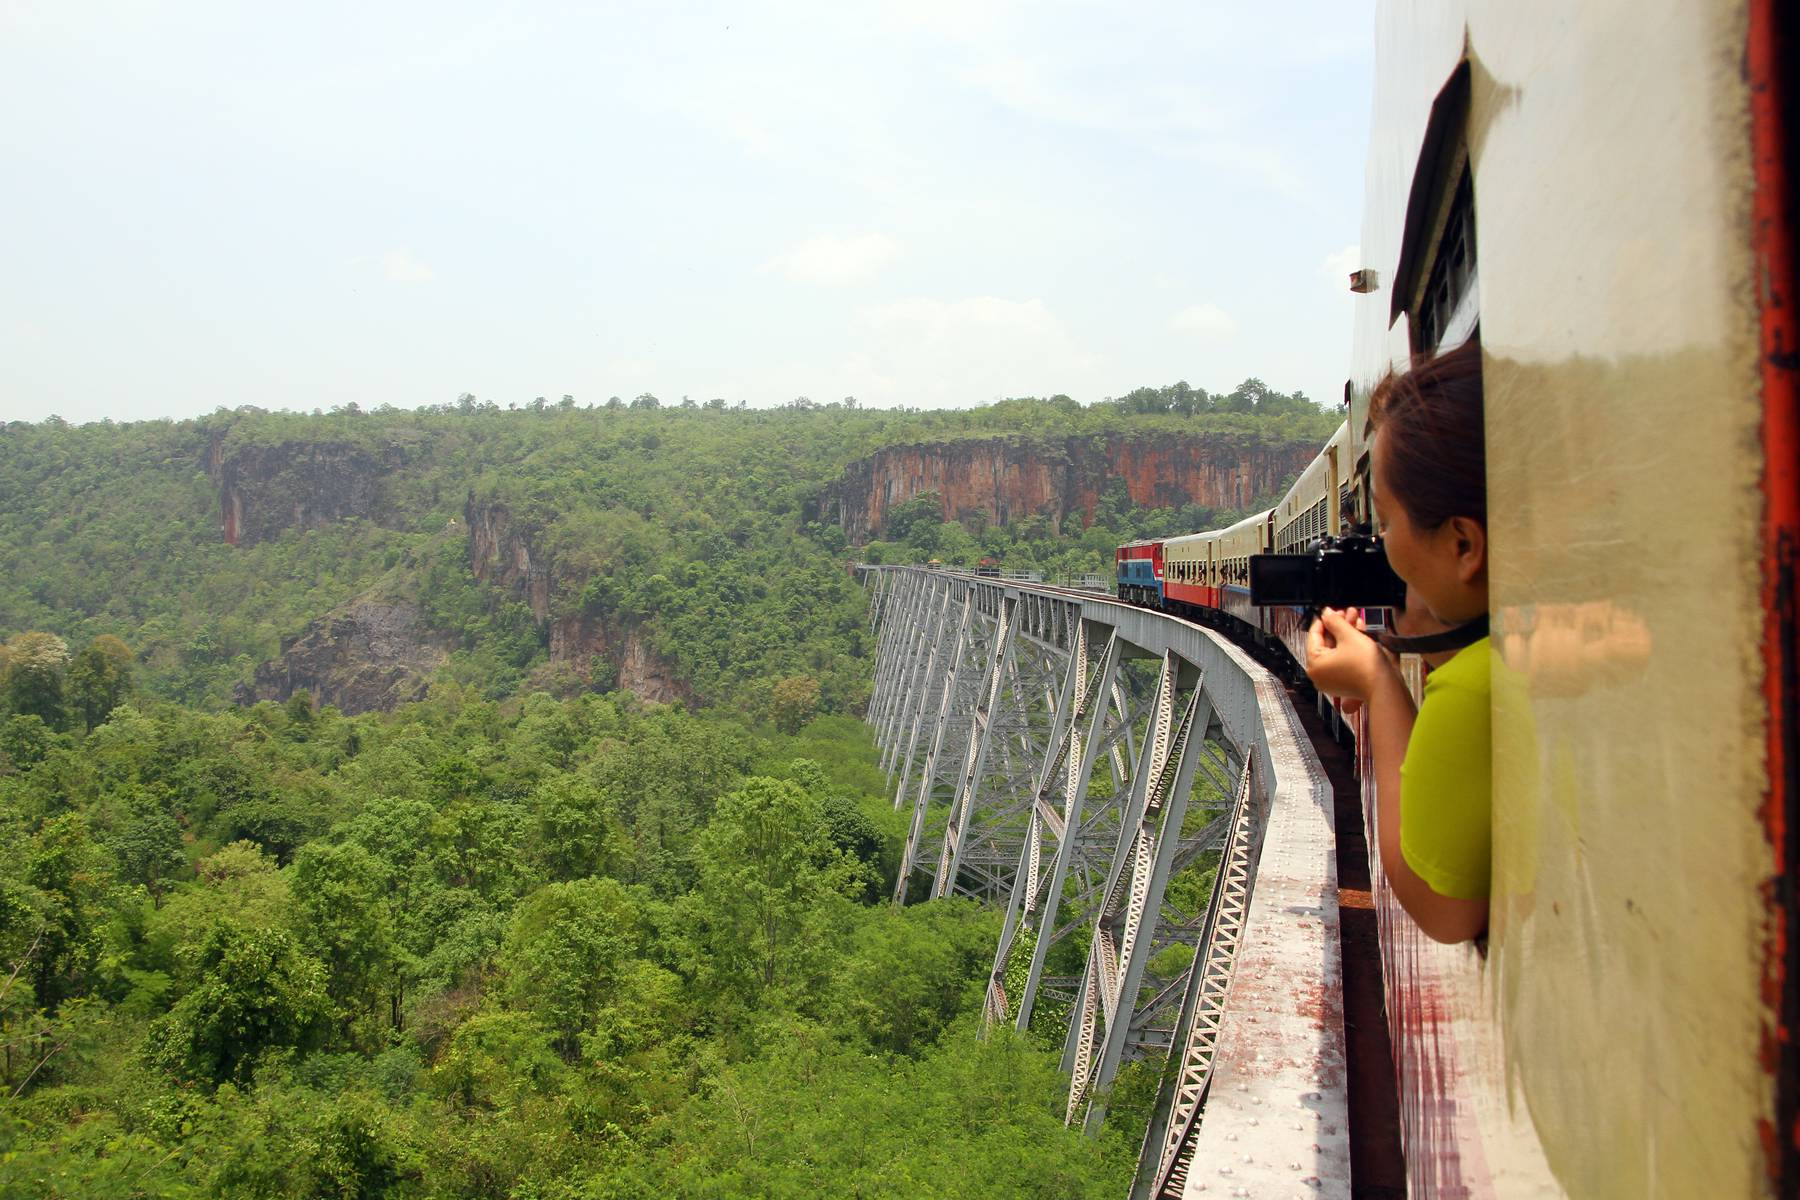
(1205, 577)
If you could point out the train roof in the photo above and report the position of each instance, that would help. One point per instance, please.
(1303, 481)
(1249, 521)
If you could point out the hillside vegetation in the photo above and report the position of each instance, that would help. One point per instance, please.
(689, 521)
(529, 935)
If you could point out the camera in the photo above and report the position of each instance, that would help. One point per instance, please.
(1351, 571)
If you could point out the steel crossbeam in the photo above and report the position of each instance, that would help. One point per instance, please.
(945, 742)
(1164, 1158)
(931, 684)
(922, 653)
(1119, 951)
(962, 804)
(888, 663)
(1024, 902)
(919, 622)
(991, 823)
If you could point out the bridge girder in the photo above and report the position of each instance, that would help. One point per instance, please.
(994, 703)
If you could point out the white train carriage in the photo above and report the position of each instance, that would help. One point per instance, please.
(1252, 535)
(1191, 569)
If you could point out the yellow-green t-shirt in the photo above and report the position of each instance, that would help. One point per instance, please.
(1446, 780)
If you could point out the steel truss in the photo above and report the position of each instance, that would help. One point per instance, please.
(993, 704)
(1168, 1142)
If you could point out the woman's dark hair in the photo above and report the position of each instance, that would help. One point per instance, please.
(1433, 445)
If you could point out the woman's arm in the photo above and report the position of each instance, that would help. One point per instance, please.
(1344, 661)
(1442, 918)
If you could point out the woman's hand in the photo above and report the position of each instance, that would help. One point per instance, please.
(1341, 659)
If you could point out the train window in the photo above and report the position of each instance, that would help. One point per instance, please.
(1448, 310)
(1435, 281)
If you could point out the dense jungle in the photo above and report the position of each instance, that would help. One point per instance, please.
(473, 801)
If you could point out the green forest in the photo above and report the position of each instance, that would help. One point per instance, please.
(528, 935)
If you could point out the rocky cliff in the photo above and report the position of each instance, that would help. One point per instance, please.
(377, 653)
(368, 655)
(506, 554)
(500, 555)
(264, 490)
(1011, 480)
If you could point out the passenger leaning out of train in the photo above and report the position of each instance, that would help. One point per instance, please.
(1433, 767)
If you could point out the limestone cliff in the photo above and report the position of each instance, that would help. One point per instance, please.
(369, 655)
(266, 489)
(500, 555)
(506, 554)
(1013, 479)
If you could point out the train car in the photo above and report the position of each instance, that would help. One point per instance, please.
(1603, 196)
(1321, 503)
(1252, 535)
(1191, 569)
(1206, 574)
(1138, 571)
(1312, 506)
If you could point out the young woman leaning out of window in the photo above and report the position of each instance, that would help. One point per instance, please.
(1433, 768)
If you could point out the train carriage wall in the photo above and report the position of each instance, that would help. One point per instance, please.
(1619, 1038)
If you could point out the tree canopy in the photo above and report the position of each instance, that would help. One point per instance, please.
(528, 934)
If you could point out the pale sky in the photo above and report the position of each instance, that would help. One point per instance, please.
(935, 203)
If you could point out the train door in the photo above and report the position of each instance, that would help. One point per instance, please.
(1333, 520)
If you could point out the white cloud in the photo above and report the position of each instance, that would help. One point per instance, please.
(833, 260)
(1207, 321)
(1174, 120)
(968, 351)
(634, 369)
(751, 133)
(397, 266)
(952, 20)
(936, 322)
(1337, 267)
(877, 183)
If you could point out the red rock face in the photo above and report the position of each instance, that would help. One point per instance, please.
(1015, 480)
(500, 555)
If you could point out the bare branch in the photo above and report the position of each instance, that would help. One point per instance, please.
(20, 965)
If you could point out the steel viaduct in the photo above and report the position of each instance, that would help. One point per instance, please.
(1139, 795)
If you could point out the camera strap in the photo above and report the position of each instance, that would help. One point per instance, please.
(1466, 634)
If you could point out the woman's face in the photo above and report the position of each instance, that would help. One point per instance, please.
(1433, 562)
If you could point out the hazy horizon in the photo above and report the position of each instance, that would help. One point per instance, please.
(935, 207)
